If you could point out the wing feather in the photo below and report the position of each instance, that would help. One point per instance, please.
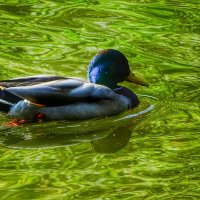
(62, 92)
(30, 80)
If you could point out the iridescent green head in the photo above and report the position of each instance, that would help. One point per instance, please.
(110, 67)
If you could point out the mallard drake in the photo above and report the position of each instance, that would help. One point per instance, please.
(61, 98)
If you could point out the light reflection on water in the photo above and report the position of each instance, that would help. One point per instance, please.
(156, 153)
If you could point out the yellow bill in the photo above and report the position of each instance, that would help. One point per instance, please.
(136, 79)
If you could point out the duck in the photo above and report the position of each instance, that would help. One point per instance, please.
(52, 97)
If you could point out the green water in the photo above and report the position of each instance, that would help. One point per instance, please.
(148, 153)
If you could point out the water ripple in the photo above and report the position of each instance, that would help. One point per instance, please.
(157, 154)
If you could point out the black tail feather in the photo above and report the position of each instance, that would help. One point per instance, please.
(5, 106)
(9, 97)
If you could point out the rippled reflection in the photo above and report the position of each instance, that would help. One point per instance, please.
(104, 139)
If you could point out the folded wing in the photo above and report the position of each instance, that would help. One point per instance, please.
(30, 80)
(62, 92)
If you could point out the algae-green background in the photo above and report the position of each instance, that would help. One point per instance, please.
(161, 39)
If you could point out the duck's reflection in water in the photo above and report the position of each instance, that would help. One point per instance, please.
(105, 135)
(114, 142)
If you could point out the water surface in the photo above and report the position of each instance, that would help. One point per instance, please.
(149, 155)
